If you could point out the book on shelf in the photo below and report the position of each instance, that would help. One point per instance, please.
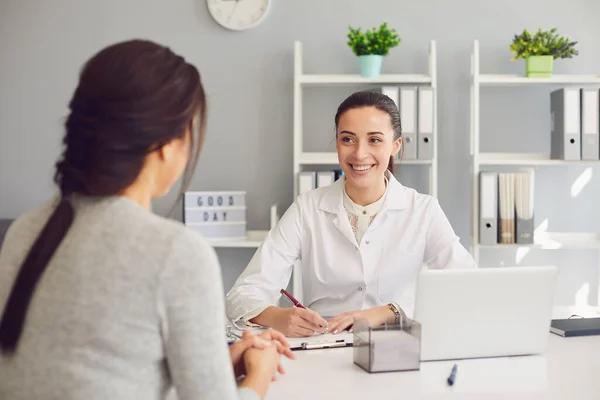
(506, 204)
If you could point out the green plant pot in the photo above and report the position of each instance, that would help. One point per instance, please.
(539, 66)
(370, 65)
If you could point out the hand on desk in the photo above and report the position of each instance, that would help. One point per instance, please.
(260, 366)
(374, 316)
(266, 341)
(292, 322)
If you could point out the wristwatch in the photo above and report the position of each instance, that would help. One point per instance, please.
(397, 312)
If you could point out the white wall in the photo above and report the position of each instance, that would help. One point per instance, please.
(248, 77)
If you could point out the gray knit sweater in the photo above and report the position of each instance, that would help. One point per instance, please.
(130, 306)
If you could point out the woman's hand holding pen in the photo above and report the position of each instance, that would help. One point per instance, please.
(374, 316)
(292, 322)
(267, 339)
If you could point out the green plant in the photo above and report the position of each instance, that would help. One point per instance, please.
(375, 41)
(542, 43)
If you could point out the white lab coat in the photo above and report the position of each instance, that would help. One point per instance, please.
(338, 274)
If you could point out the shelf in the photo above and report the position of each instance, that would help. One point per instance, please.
(253, 240)
(332, 158)
(333, 79)
(521, 80)
(558, 240)
(534, 159)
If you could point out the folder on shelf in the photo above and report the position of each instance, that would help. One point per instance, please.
(589, 124)
(506, 208)
(391, 92)
(408, 116)
(325, 178)
(307, 180)
(565, 127)
(488, 208)
(425, 123)
(524, 187)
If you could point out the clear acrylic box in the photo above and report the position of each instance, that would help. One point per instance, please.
(387, 348)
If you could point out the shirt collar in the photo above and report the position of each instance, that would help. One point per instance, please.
(397, 196)
(368, 210)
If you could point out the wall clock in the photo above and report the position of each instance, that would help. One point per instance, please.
(239, 15)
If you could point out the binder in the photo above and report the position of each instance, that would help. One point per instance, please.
(524, 187)
(425, 123)
(391, 92)
(565, 127)
(307, 180)
(488, 208)
(408, 116)
(325, 178)
(589, 124)
(506, 208)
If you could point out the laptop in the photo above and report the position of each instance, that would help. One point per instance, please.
(484, 312)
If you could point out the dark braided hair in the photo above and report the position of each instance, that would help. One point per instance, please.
(132, 98)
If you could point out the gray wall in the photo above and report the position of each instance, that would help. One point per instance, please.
(249, 144)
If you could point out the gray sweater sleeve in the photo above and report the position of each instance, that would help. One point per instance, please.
(191, 305)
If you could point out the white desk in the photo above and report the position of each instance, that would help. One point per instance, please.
(569, 369)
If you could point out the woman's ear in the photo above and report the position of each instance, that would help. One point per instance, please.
(397, 146)
(166, 151)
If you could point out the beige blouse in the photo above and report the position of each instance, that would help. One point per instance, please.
(361, 216)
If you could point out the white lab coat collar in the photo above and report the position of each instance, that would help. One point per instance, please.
(332, 199)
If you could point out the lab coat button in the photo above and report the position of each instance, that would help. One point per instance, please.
(360, 288)
(367, 242)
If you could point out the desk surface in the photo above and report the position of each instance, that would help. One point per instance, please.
(568, 369)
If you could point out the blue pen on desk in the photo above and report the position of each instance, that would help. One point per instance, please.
(452, 376)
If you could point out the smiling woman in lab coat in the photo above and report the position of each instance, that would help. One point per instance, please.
(362, 240)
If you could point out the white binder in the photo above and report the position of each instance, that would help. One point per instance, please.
(589, 124)
(488, 208)
(425, 127)
(565, 124)
(307, 180)
(408, 117)
(391, 92)
(325, 178)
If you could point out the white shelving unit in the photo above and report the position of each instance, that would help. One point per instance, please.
(302, 80)
(558, 240)
(254, 238)
(313, 158)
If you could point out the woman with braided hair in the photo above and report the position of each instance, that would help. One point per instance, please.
(99, 297)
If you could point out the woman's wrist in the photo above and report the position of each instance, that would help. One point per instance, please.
(266, 317)
(257, 383)
(387, 315)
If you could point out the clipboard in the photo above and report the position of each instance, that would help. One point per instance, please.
(319, 342)
(320, 346)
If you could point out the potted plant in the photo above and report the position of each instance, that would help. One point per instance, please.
(371, 46)
(540, 50)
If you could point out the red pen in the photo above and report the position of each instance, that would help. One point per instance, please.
(292, 299)
(296, 303)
